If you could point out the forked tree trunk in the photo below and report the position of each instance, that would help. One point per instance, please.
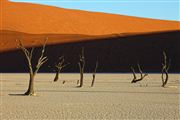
(165, 68)
(30, 90)
(134, 74)
(166, 79)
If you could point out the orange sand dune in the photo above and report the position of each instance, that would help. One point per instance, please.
(32, 23)
(40, 19)
(9, 39)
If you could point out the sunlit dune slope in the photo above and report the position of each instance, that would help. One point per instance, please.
(40, 19)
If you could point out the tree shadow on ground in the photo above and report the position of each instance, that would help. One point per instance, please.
(17, 95)
(23, 95)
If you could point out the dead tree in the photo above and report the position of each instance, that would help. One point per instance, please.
(32, 69)
(135, 79)
(94, 73)
(81, 66)
(165, 69)
(58, 67)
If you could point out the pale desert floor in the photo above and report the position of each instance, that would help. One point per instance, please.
(112, 97)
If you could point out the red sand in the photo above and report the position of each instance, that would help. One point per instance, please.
(39, 19)
(42, 19)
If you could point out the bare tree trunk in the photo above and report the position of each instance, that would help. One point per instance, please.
(93, 80)
(134, 75)
(162, 77)
(166, 79)
(57, 76)
(165, 68)
(81, 66)
(81, 74)
(94, 74)
(30, 90)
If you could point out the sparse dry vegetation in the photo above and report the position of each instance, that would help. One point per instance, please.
(33, 70)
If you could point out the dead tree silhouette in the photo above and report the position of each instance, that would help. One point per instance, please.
(135, 79)
(32, 69)
(81, 66)
(94, 73)
(165, 69)
(58, 67)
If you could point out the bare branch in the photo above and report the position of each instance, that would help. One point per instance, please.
(140, 70)
(42, 52)
(169, 64)
(134, 74)
(31, 53)
(27, 55)
(165, 58)
(41, 59)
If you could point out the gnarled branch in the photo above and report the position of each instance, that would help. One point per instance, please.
(141, 73)
(165, 69)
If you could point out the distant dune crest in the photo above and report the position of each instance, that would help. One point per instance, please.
(40, 19)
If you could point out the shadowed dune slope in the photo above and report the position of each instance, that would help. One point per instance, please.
(9, 38)
(115, 54)
(40, 19)
(118, 41)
